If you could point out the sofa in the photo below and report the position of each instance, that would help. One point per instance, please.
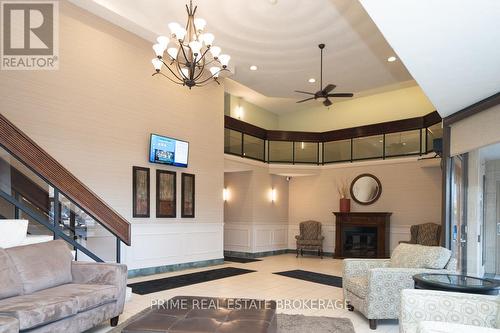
(373, 286)
(430, 311)
(43, 290)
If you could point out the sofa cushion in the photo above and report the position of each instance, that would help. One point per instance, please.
(445, 327)
(42, 265)
(420, 256)
(9, 278)
(357, 285)
(88, 296)
(9, 325)
(35, 310)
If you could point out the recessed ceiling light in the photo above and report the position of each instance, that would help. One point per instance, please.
(253, 68)
(273, 2)
(312, 80)
(391, 59)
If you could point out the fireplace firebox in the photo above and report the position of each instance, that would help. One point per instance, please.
(362, 235)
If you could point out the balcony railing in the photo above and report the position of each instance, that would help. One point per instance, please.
(408, 137)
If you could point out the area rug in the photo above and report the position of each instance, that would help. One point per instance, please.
(286, 324)
(329, 280)
(240, 260)
(153, 286)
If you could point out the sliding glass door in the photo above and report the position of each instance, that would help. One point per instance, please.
(458, 212)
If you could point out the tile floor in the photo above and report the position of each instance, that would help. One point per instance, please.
(263, 285)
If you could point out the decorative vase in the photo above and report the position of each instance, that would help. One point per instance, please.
(345, 205)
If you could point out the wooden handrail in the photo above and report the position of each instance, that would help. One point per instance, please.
(340, 134)
(33, 156)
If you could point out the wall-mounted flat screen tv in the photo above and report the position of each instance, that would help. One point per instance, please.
(165, 150)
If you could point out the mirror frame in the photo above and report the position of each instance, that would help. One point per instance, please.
(374, 199)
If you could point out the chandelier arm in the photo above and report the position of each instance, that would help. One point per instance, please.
(171, 71)
(211, 76)
(179, 83)
(184, 52)
(181, 72)
(206, 84)
(201, 71)
(203, 55)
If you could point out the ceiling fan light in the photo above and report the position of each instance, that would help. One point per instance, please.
(215, 71)
(208, 39)
(200, 24)
(215, 50)
(224, 59)
(159, 49)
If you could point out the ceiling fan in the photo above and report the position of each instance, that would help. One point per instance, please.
(323, 92)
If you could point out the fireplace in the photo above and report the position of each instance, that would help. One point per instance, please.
(362, 235)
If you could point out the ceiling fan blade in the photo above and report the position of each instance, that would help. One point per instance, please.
(304, 92)
(327, 102)
(328, 88)
(305, 100)
(341, 95)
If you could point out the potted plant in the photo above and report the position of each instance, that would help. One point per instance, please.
(345, 202)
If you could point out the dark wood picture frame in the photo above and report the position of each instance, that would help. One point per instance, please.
(187, 195)
(140, 189)
(166, 208)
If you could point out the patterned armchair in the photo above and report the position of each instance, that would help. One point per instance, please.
(310, 238)
(373, 286)
(425, 234)
(429, 311)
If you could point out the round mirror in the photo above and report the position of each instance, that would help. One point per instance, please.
(366, 189)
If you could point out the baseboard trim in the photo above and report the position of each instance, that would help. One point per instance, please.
(172, 268)
(270, 253)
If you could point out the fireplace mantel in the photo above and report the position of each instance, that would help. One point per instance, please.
(372, 228)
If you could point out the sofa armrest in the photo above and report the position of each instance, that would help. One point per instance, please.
(361, 267)
(102, 273)
(419, 305)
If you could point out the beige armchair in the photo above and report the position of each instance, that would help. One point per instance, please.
(430, 311)
(373, 286)
(310, 238)
(425, 234)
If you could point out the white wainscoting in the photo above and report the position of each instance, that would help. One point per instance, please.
(155, 244)
(252, 238)
(398, 233)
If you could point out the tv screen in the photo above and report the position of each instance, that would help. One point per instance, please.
(170, 151)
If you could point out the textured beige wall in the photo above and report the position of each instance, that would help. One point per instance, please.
(392, 105)
(412, 193)
(96, 112)
(252, 113)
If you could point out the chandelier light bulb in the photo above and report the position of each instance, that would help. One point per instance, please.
(157, 64)
(174, 27)
(224, 59)
(180, 33)
(172, 52)
(215, 50)
(208, 39)
(163, 40)
(200, 24)
(215, 71)
(195, 47)
(159, 49)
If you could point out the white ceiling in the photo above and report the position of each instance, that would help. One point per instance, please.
(451, 47)
(281, 39)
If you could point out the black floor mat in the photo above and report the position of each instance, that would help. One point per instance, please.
(153, 286)
(329, 280)
(240, 260)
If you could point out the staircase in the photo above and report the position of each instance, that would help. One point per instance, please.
(37, 188)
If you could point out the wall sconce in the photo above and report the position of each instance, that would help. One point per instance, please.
(272, 195)
(239, 112)
(302, 145)
(225, 194)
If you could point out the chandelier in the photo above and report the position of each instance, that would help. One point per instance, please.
(191, 58)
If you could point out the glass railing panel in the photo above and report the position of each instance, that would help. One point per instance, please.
(306, 152)
(281, 151)
(253, 147)
(368, 147)
(232, 142)
(434, 132)
(85, 230)
(402, 143)
(337, 151)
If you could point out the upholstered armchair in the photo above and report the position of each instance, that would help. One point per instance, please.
(310, 238)
(425, 234)
(430, 311)
(373, 286)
